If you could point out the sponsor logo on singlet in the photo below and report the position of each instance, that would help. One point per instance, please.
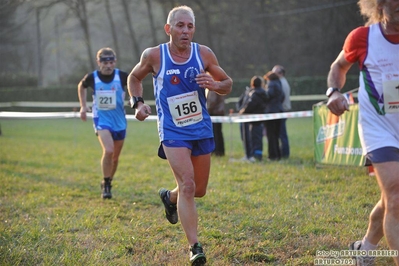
(172, 72)
(175, 80)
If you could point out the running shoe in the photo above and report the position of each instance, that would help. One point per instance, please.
(170, 208)
(197, 256)
(361, 260)
(106, 189)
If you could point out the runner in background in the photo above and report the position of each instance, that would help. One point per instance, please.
(108, 89)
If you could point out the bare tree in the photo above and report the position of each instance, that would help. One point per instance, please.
(10, 37)
(151, 17)
(206, 13)
(248, 38)
(130, 28)
(39, 50)
(39, 8)
(78, 7)
(113, 28)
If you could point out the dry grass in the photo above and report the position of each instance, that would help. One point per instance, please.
(271, 213)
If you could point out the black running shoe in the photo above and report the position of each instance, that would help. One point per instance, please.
(170, 209)
(361, 260)
(106, 189)
(197, 256)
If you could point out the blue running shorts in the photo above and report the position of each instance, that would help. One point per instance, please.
(197, 147)
(116, 135)
(384, 154)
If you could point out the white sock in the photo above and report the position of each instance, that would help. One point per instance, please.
(366, 245)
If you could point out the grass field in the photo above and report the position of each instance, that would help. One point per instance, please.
(269, 213)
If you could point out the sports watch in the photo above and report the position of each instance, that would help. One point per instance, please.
(134, 100)
(330, 91)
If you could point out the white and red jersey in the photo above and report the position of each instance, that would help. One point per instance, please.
(378, 58)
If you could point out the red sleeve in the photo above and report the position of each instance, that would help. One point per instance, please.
(355, 46)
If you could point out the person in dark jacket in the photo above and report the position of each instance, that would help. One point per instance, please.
(244, 127)
(215, 105)
(256, 104)
(275, 98)
(285, 86)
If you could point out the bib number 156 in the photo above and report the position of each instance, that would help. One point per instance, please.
(185, 109)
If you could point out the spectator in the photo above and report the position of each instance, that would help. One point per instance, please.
(284, 142)
(256, 104)
(244, 128)
(274, 104)
(215, 106)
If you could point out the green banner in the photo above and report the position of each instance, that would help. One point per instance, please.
(336, 138)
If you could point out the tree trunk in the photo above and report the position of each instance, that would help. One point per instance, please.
(84, 21)
(78, 7)
(39, 50)
(151, 17)
(130, 28)
(113, 28)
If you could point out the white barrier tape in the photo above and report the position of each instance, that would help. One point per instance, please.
(39, 114)
(55, 104)
(314, 97)
(216, 119)
(259, 117)
(43, 104)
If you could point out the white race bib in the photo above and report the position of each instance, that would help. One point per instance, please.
(390, 85)
(106, 100)
(185, 109)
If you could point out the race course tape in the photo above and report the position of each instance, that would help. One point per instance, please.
(314, 97)
(234, 118)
